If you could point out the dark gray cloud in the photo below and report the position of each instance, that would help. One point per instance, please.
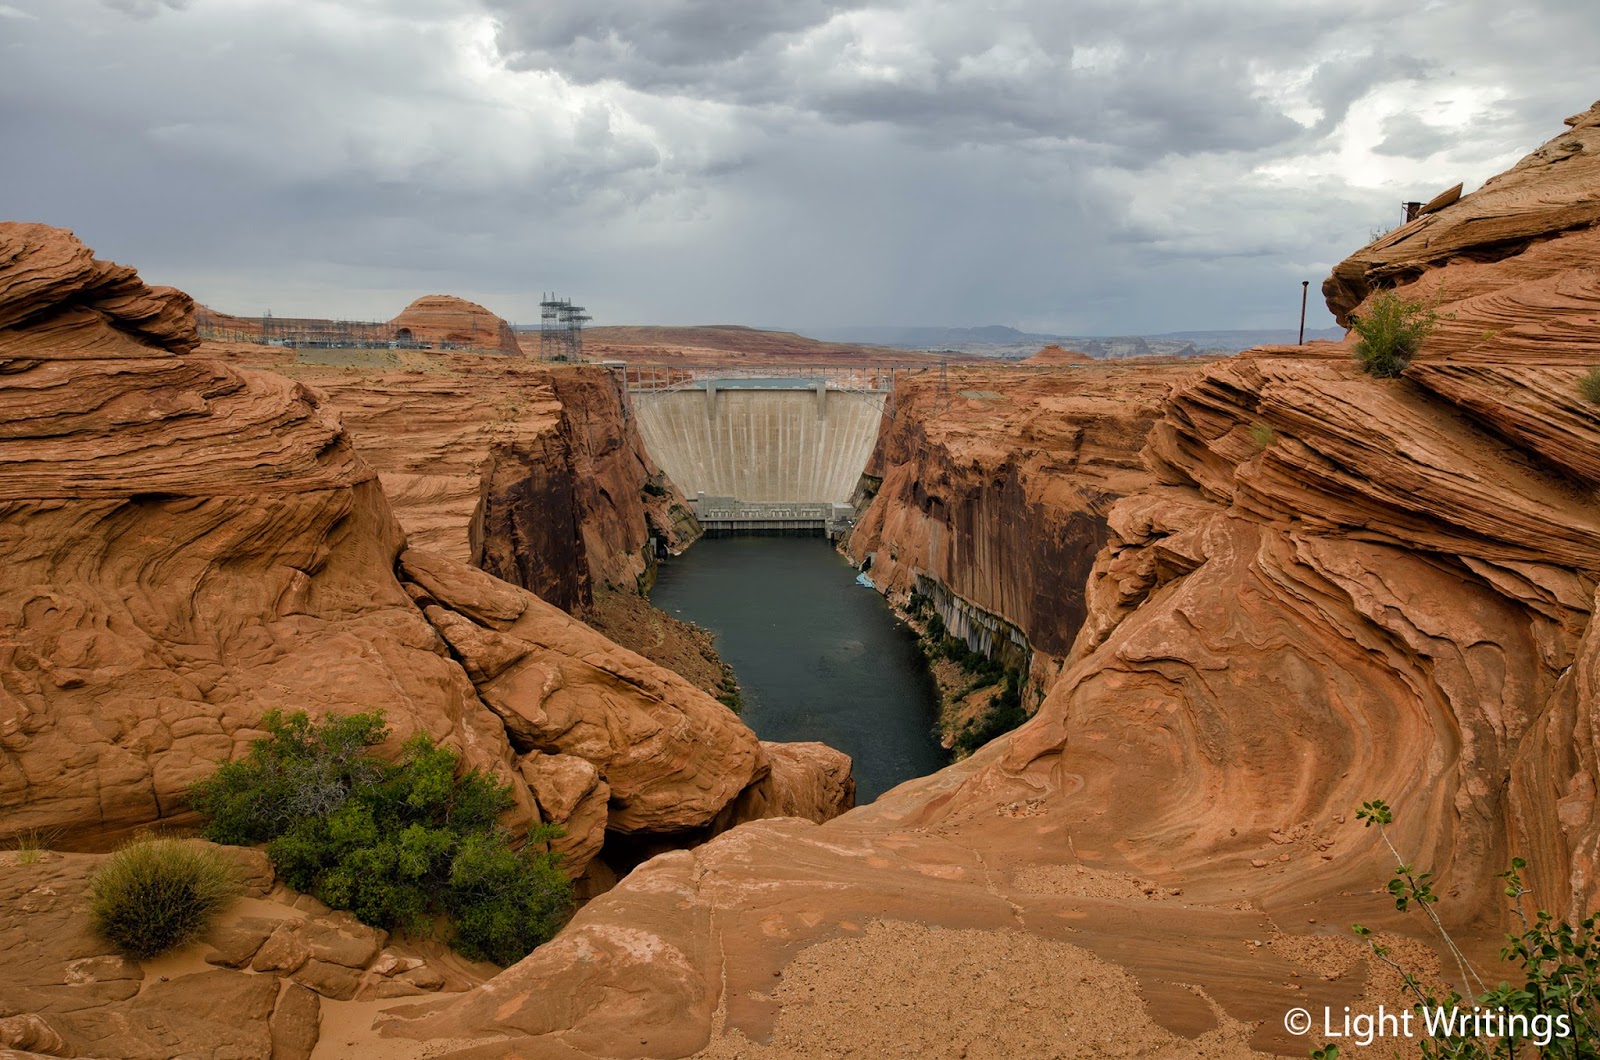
(145, 8)
(1112, 166)
(639, 42)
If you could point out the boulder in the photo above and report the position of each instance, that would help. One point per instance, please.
(570, 793)
(672, 756)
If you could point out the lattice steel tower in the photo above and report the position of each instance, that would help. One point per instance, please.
(561, 329)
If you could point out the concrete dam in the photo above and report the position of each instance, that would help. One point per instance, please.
(764, 453)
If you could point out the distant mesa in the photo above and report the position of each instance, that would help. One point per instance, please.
(1054, 354)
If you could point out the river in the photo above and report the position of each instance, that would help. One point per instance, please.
(818, 657)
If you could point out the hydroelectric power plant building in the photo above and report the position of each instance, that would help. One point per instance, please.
(762, 453)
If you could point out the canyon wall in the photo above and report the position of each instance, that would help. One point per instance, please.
(190, 544)
(536, 474)
(992, 487)
(1327, 588)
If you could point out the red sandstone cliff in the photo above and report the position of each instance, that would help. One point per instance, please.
(995, 486)
(189, 545)
(1338, 588)
(536, 473)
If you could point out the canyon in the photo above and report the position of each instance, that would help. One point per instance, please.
(1250, 594)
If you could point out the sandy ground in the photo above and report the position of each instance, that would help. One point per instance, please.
(906, 990)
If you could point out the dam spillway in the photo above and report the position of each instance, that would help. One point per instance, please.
(762, 451)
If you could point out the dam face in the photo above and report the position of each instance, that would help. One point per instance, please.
(781, 448)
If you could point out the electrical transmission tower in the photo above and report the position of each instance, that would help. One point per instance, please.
(561, 329)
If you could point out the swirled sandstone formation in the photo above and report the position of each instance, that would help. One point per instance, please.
(536, 473)
(187, 545)
(191, 544)
(1331, 588)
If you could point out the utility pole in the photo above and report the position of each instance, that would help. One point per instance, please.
(1305, 286)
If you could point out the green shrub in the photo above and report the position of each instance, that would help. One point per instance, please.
(1555, 968)
(502, 903)
(396, 844)
(1589, 386)
(155, 894)
(730, 695)
(1391, 333)
(296, 772)
(1263, 436)
(1004, 714)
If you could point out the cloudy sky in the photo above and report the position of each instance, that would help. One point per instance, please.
(1075, 166)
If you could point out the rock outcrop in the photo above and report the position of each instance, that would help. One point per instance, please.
(1547, 195)
(1058, 355)
(672, 756)
(257, 984)
(445, 320)
(994, 486)
(187, 546)
(1331, 588)
(190, 545)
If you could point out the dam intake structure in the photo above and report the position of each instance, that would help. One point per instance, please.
(757, 451)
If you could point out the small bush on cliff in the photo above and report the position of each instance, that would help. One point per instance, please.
(1552, 1009)
(730, 694)
(1589, 386)
(158, 893)
(1391, 332)
(1004, 714)
(918, 605)
(395, 843)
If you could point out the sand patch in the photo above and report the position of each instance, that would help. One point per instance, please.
(907, 990)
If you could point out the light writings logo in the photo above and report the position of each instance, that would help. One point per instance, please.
(1365, 1028)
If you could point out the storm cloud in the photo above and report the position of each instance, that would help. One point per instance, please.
(1084, 166)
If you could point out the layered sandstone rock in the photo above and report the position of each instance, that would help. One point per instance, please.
(534, 472)
(1333, 588)
(441, 319)
(995, 485)
(187, 546)
(1550, 193)
(190, 545)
